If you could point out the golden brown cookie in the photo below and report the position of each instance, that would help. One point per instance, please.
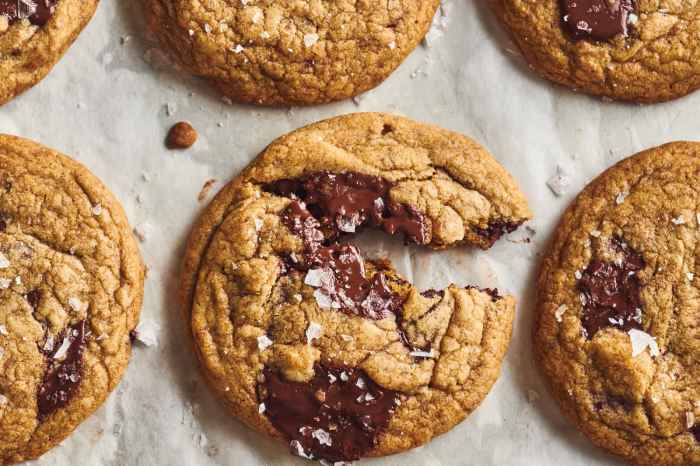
(307, 341)
(34, 35)
(287, 52)
(71, 286)
(617, 330)
(634, 50)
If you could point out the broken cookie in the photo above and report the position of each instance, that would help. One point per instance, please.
(308, 341)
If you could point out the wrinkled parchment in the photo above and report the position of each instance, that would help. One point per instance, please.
(109, 103)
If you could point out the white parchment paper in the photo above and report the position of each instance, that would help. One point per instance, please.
(108, 107)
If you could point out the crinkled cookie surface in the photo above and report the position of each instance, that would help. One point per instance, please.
(34, 36)
(290, 52)
(657, 58)
(306, 340)
(617, 331)
(71, 287)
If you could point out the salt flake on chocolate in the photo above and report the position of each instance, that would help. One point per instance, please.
(641, 341)
(63, 349)
(298, 449)
(322, 437)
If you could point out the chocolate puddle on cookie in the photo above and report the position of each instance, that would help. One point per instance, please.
(598, 20)
(38, 12)
(610, 291)
(336, 416)
(64, 370)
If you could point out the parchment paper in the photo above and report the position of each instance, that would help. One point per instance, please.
(108, 107)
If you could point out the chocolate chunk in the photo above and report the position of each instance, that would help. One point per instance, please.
(598, 20)
(63, 372)
(345, 202)
(611, 291)
(695, 430)
(33, 298)
(37, 11)
(495, 230)
(337, 416)
(337, 271)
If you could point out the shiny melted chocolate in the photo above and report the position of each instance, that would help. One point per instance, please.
(598, 20)
(62, 377)
(345, 202)
(37, 11)
(337, 416)
(337, 270)
(611, 291)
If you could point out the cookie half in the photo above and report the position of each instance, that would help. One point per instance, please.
(71, 287)
(34, 35)
(276, 53)
(631, 50)
(617, 329)
(307, 341)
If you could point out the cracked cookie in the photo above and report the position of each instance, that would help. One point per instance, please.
(275, 53)
(34, 35)
(634, 50)
(617, 327)
(71, 286)
(308, 341)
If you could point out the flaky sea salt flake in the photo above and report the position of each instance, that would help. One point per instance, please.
(264, 342)
(313, 332)
(559, 313)
(641, 341)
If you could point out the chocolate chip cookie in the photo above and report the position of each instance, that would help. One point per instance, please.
(34, 35)
(71, 286)
(274, 53)
(308, 341)
(617, 331)
(634, 50)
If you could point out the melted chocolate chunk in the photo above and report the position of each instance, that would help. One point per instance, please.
(33, 298)
(337, 271)
(337, 416)
(611, 291)
(63, 372)
(345, 202)
(495, 230)
(37, 11)
(598, 20)
(695, 430)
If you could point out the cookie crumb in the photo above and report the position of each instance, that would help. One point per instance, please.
(181, 136)
(261, 408)
(532, 396)
(205, 189)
